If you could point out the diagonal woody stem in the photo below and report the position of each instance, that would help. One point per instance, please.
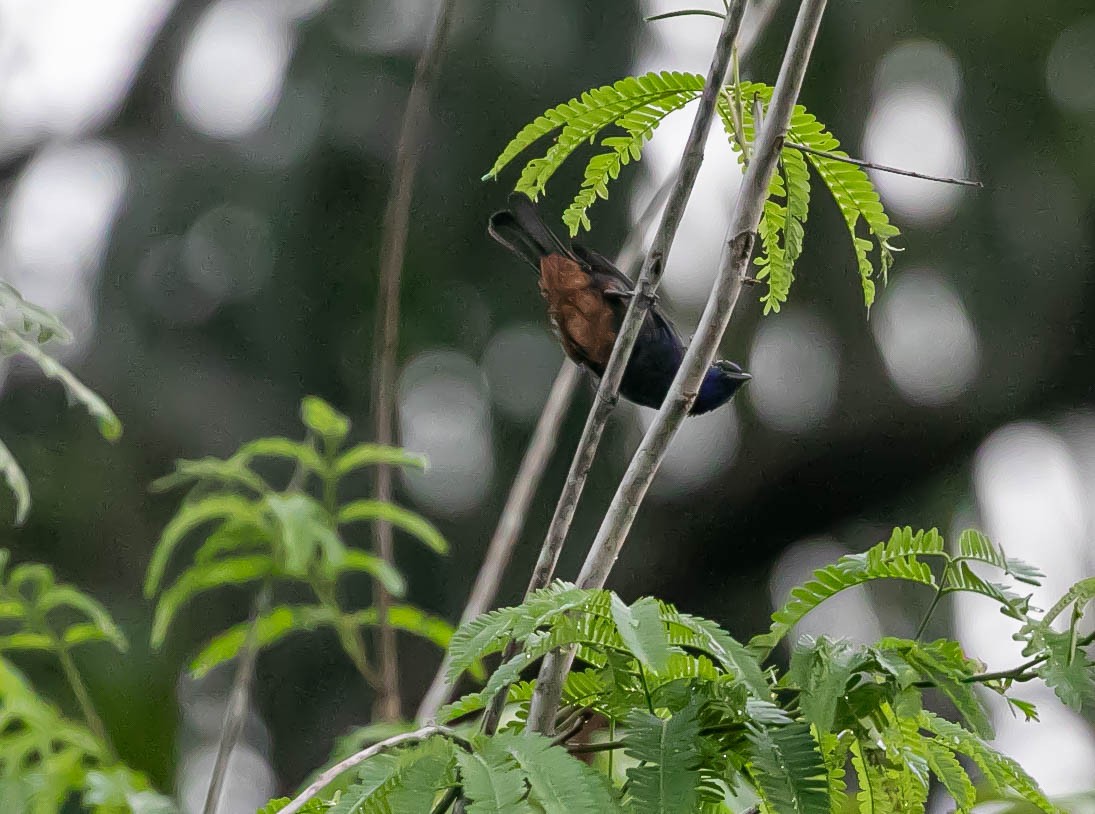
(510, 523)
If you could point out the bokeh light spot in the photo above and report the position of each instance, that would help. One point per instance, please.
(65, 65)
(1070, 67)
(926, 338)
(382, 26)
(520, 363)
(232, 70)
(914, 128)
(444, 413)
(57, 227)
(228, 252)
(926, 63)
(795, 364)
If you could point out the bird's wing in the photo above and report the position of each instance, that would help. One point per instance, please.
(614, 279)
(585, 321)
(611, 280)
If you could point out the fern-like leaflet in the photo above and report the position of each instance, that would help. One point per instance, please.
(637, 105)
(24, 329)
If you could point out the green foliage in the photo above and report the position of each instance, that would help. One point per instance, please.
(558, 782)
(632, 108)
(667, 778)
(646, 642)
(37, 613)
(253, 533)
(704, 728)
(999, 771)
(493, 783)
(408, 780)
(24, 329)
(635, 104)
(902, 557)
(791, 774)
(47, 759)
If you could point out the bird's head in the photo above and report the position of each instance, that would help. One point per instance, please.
(719, 385)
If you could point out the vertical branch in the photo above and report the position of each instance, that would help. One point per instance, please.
(235, 712)
(510, 523)
(392, 250)
(733, 271)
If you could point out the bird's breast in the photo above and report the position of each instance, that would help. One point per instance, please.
(585, 321)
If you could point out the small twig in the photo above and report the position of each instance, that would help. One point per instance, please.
(870, 165)
(83, 698)
(737, 111)
(584, 717)
(510, 523)
(733, 271)
(235, 713)
(330, 775)
(1018, 674)
(590, 748)
(445, 802)
(934, 603)
(393, 247)
(687, 12)
(542, 710)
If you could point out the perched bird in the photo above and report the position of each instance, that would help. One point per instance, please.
(587, 298)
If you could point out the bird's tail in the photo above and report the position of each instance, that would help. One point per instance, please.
(521, 230)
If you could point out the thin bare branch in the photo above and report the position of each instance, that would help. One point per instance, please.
(541, 720)
(392, 251)
(870, 165)
(733, 271)
(686, 12)
(510, 523)
(330, 775)
(235, 712)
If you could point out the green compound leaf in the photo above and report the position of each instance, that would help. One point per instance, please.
(897, 558)
(559, 783)
(493, 782)
(667, 779)
(1000, 771)
(790, 771)
(408, 521)
(641, 629)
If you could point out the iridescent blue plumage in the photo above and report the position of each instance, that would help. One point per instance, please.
(587, 298)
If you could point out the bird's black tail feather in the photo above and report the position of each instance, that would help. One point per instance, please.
(521, 230)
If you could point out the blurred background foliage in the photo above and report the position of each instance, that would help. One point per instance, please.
(197, 187)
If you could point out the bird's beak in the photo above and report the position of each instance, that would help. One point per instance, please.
(733, 371)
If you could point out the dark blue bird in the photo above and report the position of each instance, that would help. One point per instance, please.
(587, 298)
